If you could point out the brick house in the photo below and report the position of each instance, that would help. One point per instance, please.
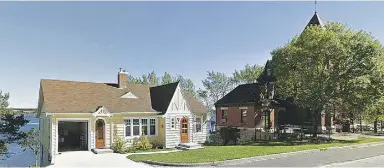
(242, 106)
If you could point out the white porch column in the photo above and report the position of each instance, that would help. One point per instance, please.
(111, 134)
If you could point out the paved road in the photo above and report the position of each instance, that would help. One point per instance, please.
(316, 158)
(377, 161)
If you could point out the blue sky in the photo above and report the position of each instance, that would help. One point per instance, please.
(90, 41)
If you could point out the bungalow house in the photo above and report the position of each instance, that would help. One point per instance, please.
(85, 115)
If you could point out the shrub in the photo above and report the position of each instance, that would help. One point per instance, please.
(135, 143)
(119, 145)
(245, 140)
(145, 143)
(141, 143)
(130, 149)
(229, 134)
(215, 139)
(157, 144)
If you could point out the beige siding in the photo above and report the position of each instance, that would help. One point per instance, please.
(118, 121)
(120, 130)
(107, 135)
(161, 131)
(120, 133)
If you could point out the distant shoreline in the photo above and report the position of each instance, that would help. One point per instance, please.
(24, 110)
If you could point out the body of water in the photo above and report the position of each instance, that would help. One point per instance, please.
(19, 157)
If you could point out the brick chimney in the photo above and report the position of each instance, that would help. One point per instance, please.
(122, 78)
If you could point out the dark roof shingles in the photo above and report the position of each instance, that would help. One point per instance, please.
(246, 93)
(315, 20)
(162, 95)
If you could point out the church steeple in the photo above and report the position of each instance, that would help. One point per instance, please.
(315, 20)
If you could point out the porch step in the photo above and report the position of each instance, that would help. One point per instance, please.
(101, 151)
(189, 146)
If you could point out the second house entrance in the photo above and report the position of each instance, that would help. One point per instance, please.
(184, 130)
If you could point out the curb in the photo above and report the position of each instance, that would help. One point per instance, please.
(146, 153)
(179, 164)
(258, 158)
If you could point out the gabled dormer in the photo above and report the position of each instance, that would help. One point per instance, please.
(128, 95)
(101, 111)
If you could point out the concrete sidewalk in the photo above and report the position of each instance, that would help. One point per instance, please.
(89, 159)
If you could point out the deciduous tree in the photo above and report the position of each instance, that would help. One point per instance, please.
(247, 75)
(321, 66)
(153, 79)
(216, 86)
(167, 78)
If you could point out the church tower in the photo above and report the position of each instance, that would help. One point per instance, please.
(315, 20)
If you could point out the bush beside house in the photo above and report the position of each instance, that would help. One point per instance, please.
(139, 144)
(225, 136)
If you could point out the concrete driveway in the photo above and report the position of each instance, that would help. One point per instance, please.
(89, 159)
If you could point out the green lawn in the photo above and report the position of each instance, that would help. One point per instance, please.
(219, 153)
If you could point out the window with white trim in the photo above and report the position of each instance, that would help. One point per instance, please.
(152, 127)
(128, 128)
(243, 117)
(144, 127)
(224, 114)
(135, 127)
(173, 123)
(198, 124)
